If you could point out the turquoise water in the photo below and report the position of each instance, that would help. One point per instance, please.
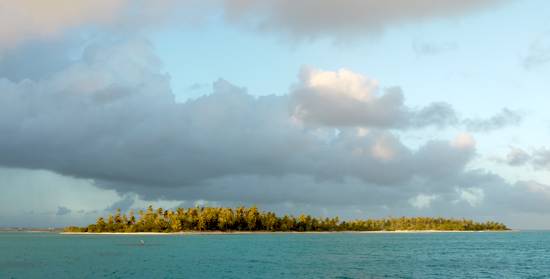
(423, 255)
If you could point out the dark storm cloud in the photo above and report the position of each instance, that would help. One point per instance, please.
(123, 204)
(111, 116)
(480, 194)
(474, 194)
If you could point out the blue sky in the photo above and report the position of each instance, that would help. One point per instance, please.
(273, 103)
(487, 48)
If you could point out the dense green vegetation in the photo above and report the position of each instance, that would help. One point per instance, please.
(251, 219)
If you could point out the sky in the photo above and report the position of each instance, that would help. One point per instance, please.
(357, 109)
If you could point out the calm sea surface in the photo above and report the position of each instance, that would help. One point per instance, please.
(422, 255)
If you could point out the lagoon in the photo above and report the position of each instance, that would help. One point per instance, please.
(518, 254)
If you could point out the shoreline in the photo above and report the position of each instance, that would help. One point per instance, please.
(267, 232)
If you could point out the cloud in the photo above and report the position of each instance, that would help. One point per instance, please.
(423, 48)
(538, 158)
(345, 98)
(541, 158)
(37, 59)
(22, 20)
(504, 118)
(28, 197)
(110, 116)
(523, 196)
(61, 211)
(517, 157)
(473, 196)
(488, 194)
(341, 19)
(520, 205)
(538, 53)
(422, 201)
(476, 194)
(123, 204)
(28, 20)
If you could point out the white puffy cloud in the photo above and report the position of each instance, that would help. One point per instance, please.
(473, 196)
(421, 201)
(345, 98)
(464, 141)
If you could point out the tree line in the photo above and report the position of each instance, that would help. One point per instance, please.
(252, 219)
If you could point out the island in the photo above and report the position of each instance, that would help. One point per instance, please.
(242, 219)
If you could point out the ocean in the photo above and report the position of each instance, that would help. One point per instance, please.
(335, 255)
